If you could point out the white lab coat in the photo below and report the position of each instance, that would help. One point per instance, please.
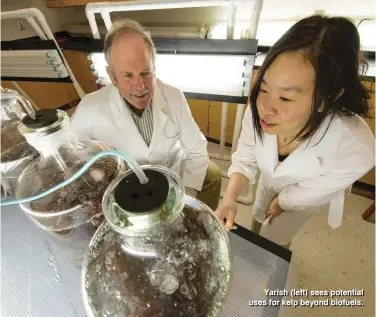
(177, 142)
(317, 173)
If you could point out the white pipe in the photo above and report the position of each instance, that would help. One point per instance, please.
(237, 128)
(36, 27)
(99, 7)
(96, 7)
(223, 128)
(256, 8)
(33, 12)
(231, 16)
(222, 138)
(93, 24)
(106, 18)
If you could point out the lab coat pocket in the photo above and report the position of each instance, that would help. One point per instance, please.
(171, 130)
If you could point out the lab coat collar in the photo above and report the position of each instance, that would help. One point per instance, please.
(127, 123)
(159, 104)
(303, 161)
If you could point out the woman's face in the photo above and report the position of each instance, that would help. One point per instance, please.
(284, 102)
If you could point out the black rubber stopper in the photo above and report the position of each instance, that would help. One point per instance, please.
(43, 118)
(133, 196)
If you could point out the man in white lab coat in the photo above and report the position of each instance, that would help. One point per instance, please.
(141, 116)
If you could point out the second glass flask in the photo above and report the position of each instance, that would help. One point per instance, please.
(71, 215)
(160, 253)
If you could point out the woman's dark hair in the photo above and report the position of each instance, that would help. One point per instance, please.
(332, 46)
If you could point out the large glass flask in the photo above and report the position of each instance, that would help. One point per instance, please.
(159, 253)
(71, 214)
(16, 153)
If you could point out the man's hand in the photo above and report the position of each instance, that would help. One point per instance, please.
(274, 210)
(227, 209)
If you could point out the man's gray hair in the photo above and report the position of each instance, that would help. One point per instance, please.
(127, 26)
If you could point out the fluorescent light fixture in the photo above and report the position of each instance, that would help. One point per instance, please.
(32, 64)
(228, 75)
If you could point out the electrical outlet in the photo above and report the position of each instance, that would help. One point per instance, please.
(21, 26)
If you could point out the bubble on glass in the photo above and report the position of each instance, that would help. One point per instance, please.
(169, 284)
(177, 257)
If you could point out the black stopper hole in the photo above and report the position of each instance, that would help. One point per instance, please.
(134, 195)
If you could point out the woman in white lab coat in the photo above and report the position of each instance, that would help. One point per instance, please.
(303, 130)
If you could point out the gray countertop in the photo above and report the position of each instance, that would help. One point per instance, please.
(37, 281)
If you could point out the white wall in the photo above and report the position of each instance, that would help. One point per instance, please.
(55, 17)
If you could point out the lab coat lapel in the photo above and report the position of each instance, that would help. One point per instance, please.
(123, 119)
(159, 118)
(267, 153)
(303, 163)
(300, 164)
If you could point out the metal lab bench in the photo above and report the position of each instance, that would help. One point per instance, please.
(37, 281)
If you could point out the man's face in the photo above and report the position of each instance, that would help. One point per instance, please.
(132, 69)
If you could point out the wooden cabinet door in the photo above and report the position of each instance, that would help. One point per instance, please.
(77, 58)
(86, 79)
(54, 3)
(72, 3)
(369, 178)
(215, 119)
(45, 94)
(80, 66)
(49, 95)
(7, 84)
(200, 112)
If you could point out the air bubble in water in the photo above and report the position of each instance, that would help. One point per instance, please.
(98, 267)
(188, 291)
(124, 275)
(169, 284)
(111, 255)
(108, 237)
(117, 294)
(177, 257)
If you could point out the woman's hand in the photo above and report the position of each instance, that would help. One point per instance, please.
(274, 210)
(227, 209)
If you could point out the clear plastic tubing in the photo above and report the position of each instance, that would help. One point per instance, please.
(131, 163)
